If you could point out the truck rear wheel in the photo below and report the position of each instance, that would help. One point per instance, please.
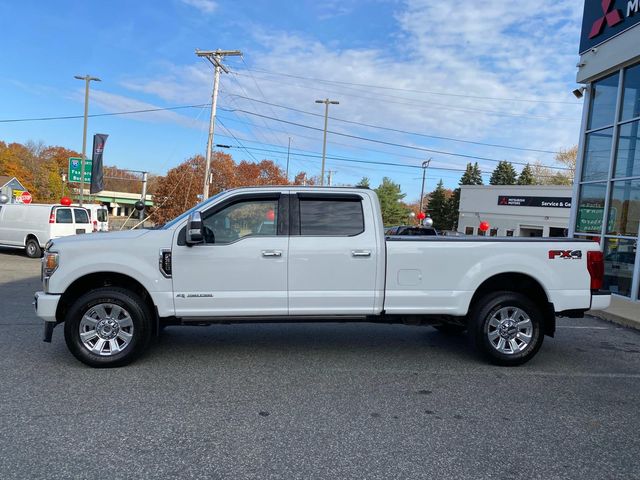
(506, 327)
(107, 327)
(32, 247)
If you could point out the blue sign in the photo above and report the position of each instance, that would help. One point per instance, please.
(604, 19)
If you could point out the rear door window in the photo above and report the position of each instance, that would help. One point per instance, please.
(337, 217)
(102, 215)
(81, 215)
(63, 215)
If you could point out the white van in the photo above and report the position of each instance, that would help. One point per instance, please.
(32, 226)
(99, 216)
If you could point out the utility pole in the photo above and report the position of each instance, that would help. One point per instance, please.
(87, 79)
(288, 151)
(326, 102)
(215, 57)
(425, 165)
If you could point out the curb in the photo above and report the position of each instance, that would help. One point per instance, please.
(613, 318)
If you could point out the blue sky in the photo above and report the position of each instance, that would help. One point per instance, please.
(490, 72)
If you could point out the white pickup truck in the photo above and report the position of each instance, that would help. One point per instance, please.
(309, 254)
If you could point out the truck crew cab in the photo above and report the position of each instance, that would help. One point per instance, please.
(309, 254)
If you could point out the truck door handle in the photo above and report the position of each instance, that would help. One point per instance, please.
(271, 253)
(360, 253)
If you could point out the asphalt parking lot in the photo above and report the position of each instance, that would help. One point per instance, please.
(314, 401)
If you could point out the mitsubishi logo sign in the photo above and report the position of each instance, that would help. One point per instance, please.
(604, 19)
(611, 17)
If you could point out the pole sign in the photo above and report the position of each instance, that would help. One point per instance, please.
(523, 201)
(75, 169)
(604, 19)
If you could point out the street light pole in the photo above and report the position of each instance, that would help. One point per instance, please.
(87, 79)
(425, 165)
(326, 102)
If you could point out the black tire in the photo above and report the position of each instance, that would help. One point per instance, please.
(138, 312)
(450, 328)
(479, 327)
(32, 248)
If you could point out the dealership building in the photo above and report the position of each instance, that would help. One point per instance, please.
(607, 187)
(515, 211)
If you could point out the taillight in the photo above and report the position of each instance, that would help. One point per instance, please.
(52, 217)
(595, 265)
(95, 226)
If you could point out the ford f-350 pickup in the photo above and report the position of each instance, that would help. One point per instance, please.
(309, 254)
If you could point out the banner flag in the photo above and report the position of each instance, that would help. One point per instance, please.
(97, 178)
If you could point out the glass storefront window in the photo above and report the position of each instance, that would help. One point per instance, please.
(631, 94)
(628, 153)
(619, 260)
(604, 94)
(591, 208)
(624, 208)
(597, 155)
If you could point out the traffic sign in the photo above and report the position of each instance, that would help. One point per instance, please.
(26, 197)
(75, 168)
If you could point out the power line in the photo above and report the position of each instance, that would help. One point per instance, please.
(399, 130)
(353, 160)
(411, 147)
(231, 133)
(412, 102)
(365, 85)
(128, 112)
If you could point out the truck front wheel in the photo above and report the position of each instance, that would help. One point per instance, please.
(506, 327)
(107, 327)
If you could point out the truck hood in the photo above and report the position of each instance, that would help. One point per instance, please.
(126, 235)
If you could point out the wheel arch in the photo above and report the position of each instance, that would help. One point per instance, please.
(524, 284)
(95, 280)
(29, 236)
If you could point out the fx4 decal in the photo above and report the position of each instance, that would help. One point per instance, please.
(565, 254)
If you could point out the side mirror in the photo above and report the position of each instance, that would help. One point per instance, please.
(194, 229)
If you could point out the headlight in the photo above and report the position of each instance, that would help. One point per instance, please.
(49, 264)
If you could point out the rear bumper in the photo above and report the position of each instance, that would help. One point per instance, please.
(46, 306)
(600, 300)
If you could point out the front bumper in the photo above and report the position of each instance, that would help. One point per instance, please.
(46, 305)
(600, 300)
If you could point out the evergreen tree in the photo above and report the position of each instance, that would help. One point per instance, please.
(364, 182)
(504, 174)
(526, 176)
(472, 175)
(439, 208)
(394, 212)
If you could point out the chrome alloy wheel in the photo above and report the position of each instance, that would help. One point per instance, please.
(510, 330)
(106, 329)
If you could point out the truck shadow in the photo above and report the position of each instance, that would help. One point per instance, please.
(310, 340)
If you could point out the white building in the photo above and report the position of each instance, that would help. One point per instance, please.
(515, 211)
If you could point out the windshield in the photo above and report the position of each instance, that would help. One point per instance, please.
(179, 218)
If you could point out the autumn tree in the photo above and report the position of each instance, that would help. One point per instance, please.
(553, 176)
